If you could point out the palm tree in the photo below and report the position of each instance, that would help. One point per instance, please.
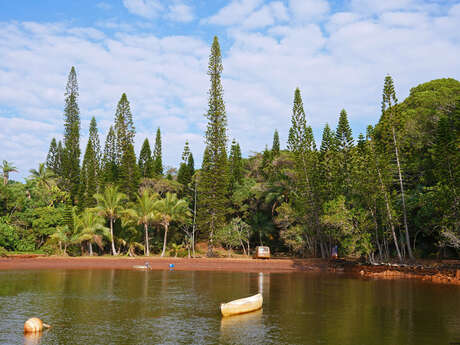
(90, 227)
(63, 237)
(171, 209)
(144, 212)
(110, 205)
(6, 169)
(43, 176)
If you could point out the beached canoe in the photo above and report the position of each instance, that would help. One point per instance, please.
(141, 267)
(243, 305)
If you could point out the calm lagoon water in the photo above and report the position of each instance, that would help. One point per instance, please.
(176, 307)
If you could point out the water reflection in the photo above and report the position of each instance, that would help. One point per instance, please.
(34, 338)
(242, 329)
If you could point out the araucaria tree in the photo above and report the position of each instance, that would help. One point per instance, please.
(344, 152)
(71, 154)
(185, 173)
(126, 158)
(213, 183)
(276, 144)
(390, 105)
(109, 167)
(157, 160)
(90, 170)
(236, 164)
(301, 143)
(145, 160)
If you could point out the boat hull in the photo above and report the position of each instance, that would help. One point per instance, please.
(242, 306)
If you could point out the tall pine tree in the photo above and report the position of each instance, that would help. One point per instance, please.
(145, 160)
(128, 178)
(157, 159)
(344, 154)
(236, 164)
(390, 105)
(184, 175)
(109, 161)
(53, 156)
(301, 143)
(71, 152)
(213, 183)
(91, 168)
(276, 144)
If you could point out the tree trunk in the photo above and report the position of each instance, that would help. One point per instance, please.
(90, 247)
(406, 228)
(114, 251)
(146, 246)
(390, 218)
(314, 209)
(165, 239)
(194, 223)
(210, 252)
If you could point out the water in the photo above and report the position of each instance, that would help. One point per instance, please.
(175, 307)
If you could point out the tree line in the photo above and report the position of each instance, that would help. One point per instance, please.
(392, 192)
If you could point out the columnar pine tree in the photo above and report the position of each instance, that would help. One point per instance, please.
(90, 179)
(128, 178)
(344, 151)
(328, 165)
(109, 161)
(59, 159)
(95, 141)
(124, 126)
(214, 176)
(157, 159)
(71, 153)
(129, 172)
(145, 160)
(236, 164)
(390, 105)
(276, 144)
(301, 143)
(52, 156)
(191, 164)
(184, 175)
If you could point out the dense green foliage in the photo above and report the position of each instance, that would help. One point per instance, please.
(392, 192)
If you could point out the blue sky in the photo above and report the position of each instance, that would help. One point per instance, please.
(337, 52)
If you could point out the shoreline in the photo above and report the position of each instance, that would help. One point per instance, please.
(437, 273)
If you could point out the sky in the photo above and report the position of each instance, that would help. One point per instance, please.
(337, 52)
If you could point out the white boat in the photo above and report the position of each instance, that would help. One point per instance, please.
(141, 267)
(243, 305)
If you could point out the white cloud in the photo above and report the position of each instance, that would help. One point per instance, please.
(180, 12)
(266, 16)
(340, 66)
(144, 8)
(308, 10)
(234, 13)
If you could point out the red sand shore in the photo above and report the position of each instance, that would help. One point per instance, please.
(436, 273)
(156, 263)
